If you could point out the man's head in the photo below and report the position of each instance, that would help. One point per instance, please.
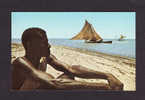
(35, 42)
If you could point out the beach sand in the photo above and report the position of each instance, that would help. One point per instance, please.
(122, 67)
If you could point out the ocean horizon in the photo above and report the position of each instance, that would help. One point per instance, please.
(126, 48)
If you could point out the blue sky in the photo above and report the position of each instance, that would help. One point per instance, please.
(68, 24)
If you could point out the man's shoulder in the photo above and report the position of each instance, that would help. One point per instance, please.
(21, 64)
(16, 60)
(16, 64)
(19, 61)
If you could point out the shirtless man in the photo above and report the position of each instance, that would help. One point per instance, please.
(29, 73)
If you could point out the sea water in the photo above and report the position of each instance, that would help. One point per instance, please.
(123, 48)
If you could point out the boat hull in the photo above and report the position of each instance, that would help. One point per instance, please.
(98, 41)
(107, 42)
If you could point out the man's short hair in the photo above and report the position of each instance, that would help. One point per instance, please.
(31, 33)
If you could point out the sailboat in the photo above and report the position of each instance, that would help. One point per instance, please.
(121, 37)
(89, 34)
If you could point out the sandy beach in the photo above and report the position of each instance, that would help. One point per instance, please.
(122, 67)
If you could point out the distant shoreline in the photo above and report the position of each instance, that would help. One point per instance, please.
(95, 52)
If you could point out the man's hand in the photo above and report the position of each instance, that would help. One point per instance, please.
(43, 64)
(114, 83)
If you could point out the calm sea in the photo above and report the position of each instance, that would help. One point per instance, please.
(123, 48)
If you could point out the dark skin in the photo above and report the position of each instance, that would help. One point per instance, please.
(26, 73)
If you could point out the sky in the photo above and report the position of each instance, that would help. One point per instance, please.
(109, 25)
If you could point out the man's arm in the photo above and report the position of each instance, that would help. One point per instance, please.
(60, 66)
(84, 72)
(76, 70)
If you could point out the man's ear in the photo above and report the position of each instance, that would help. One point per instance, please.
(28, 44)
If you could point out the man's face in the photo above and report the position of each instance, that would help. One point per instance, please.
(41, 47)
